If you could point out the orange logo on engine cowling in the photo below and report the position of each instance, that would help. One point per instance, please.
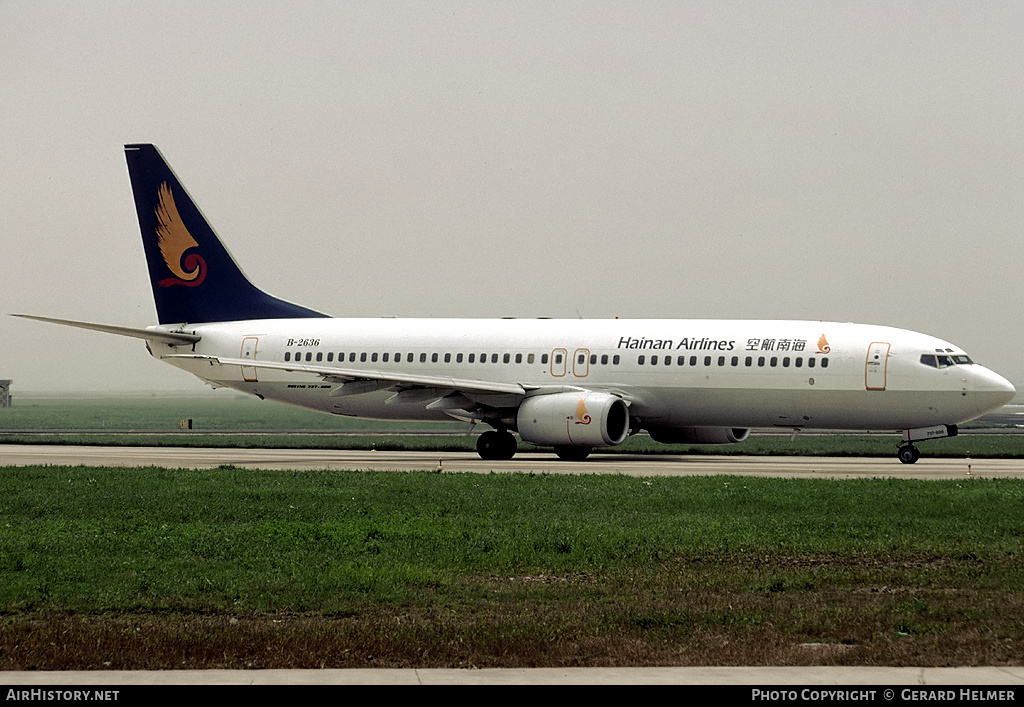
(582, 416)
(174, 239)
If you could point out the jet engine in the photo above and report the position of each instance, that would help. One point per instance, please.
(698, 435)
(583, 419)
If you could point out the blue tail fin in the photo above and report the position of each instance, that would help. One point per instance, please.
(194, 278)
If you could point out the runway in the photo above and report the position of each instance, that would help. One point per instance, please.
(540, 463)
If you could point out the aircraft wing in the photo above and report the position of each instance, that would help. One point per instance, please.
(354, 381)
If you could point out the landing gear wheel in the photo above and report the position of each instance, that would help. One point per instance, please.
(573, 454)
(908, 454)
(496, 445)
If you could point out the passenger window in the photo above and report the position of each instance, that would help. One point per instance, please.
(681, 361)
(507, 358)
(519, 358)
(615, 360)
(447, 358)
(309, 356)
(749, 361)
(494, 358)
(824, 362)
(530, 358)
(287, 355)
(352, 357)
(544, 359)
(433, 358)
(760, 361)
(319, 356)
(640, 360)
(799, 362)
(472, 358)
(773, 362)
(707, 360)
(693, 360)
(362, 357)
(810, 363)
(604, 359)
(654, 360)
(785, 362)
(458, 358)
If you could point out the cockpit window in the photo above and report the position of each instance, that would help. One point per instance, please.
(944, 361)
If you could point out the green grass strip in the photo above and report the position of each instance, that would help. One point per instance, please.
(101, 539)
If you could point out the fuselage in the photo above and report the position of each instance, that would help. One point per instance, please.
(572, 384)
(673, 373)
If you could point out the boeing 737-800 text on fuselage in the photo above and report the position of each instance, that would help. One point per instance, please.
(569, 384)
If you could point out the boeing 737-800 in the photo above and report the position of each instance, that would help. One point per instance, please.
(568, 384)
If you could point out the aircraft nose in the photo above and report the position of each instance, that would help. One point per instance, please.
(992, 389)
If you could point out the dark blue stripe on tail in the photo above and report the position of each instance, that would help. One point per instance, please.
(194, 278)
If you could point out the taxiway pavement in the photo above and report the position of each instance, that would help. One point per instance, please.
(634, 465)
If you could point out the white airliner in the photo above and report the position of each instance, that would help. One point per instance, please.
(569, 384)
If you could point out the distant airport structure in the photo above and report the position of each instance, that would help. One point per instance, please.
(5, 393)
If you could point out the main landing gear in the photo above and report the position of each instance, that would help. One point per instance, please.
(573, 454)
(496, 444)
(499, 445)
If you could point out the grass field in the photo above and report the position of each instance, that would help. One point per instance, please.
(212, 412)
(162, 569)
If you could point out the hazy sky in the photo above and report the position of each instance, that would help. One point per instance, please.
(851, 161)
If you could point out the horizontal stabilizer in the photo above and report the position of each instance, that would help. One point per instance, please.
(171, 338)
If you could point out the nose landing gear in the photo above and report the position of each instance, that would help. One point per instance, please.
(907, 453)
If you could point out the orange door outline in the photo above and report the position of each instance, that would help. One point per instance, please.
(249, 345)
(558, 357)
(876, 365)
(581, 363)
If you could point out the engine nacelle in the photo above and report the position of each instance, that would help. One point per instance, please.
(584, 419)
(698, 435)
